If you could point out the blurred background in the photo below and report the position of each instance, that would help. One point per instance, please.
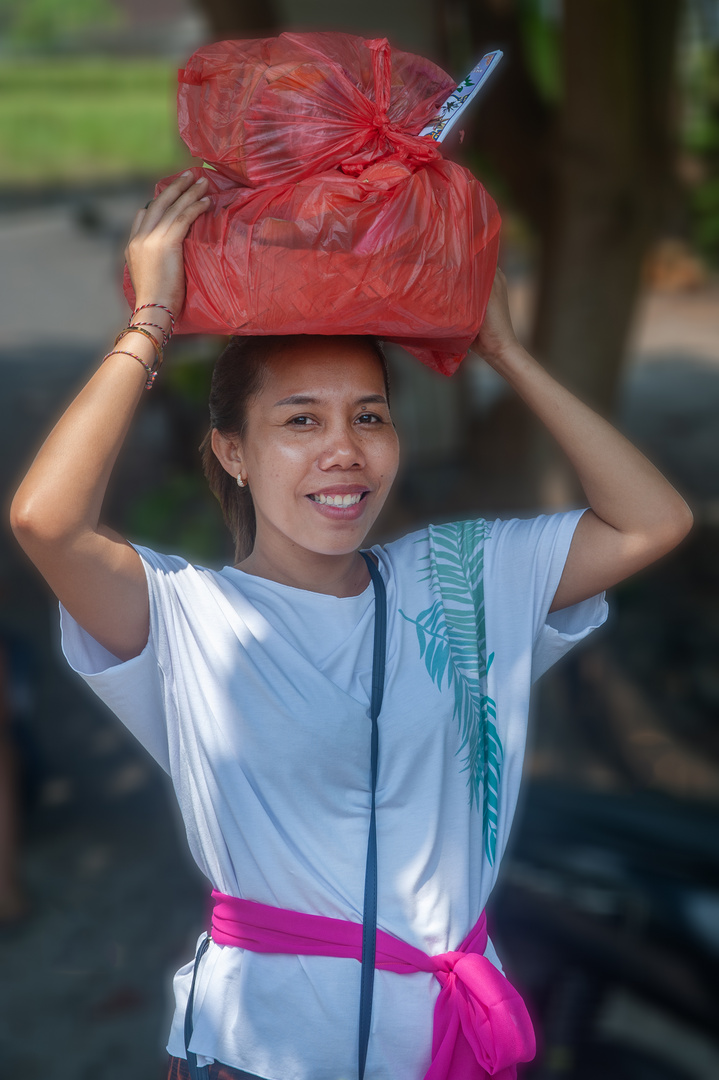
(599, 138)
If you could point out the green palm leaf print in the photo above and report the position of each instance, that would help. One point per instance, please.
(452, 643)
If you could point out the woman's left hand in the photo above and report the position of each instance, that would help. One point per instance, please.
(496, 333)
(635, 514)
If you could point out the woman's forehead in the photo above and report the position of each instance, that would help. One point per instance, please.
(311, 365)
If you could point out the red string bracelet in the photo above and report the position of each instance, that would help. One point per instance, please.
(164, 308)
(151, 372)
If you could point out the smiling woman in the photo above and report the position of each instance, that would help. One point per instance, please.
(294, 409)
(315, 694)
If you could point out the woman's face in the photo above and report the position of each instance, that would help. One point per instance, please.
(320, 452)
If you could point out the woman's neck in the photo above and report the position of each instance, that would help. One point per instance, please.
(334, 575)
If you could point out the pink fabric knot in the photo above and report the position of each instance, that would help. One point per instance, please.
(481, 1025)
(445, 964)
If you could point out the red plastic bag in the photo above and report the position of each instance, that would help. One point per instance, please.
(329, 214)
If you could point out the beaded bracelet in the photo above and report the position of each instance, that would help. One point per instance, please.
(146, 333)
(151, 372)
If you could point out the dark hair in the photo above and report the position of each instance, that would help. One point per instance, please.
(239, 374)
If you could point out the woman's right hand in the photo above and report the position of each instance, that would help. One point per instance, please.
(154, 251)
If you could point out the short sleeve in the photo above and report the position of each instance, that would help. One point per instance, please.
(132, 689)
(527, 560)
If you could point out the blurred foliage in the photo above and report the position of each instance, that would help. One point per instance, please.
(540, 23)
(190, 380)
(180, 513)
(702, 141)
(77, 120)
(52, 22)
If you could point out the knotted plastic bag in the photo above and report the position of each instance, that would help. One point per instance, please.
(329, 213)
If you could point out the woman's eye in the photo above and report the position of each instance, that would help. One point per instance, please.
(300, 421)
(370, 418)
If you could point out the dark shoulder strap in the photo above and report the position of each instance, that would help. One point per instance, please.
(369, 918)
(196, 1072)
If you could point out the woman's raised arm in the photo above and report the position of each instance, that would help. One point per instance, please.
(636, 515)
(55, 514)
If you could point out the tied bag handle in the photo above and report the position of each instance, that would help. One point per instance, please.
(369, 917)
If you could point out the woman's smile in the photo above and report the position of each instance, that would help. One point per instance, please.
(341, 503)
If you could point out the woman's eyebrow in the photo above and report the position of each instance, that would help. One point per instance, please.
(297, 399)
(304, 399)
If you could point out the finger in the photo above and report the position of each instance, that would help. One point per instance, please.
(176, 214)
(175, 209)
(136, 223)
(157, 207)
(178, 228)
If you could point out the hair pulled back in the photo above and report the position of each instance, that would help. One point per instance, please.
(239, 375)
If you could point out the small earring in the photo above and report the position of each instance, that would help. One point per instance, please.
(240, 481)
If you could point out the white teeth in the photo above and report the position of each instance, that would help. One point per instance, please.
(337, 500)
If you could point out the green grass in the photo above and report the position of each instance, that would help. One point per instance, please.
(70, 120)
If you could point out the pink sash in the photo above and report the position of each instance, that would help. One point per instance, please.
(481, 1024)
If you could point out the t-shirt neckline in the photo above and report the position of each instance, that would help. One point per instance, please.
(279, 586)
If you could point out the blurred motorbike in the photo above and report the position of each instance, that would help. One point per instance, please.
(606, 916)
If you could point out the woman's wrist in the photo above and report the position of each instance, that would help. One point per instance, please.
(154, 316)
(510, 360)
(149, 329)
(151, 325)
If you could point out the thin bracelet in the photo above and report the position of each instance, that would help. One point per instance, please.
(165, 336)
(164, 308)
(151, 372)
(147, 334)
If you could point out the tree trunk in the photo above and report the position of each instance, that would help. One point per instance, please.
(613, 173)
(591, 177)
(513, 129)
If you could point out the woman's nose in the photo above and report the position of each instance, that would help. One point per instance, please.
(342, 449)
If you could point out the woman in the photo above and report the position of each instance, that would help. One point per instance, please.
(251, 685)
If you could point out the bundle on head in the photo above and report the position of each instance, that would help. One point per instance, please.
(330, 214)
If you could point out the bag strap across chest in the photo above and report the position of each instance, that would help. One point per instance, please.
(369, 919)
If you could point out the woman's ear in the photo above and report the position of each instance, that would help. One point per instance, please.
(227, 451)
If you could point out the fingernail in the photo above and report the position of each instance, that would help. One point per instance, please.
(188, 173)
(201, 180)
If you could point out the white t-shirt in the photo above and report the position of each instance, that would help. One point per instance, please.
(254, 696)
